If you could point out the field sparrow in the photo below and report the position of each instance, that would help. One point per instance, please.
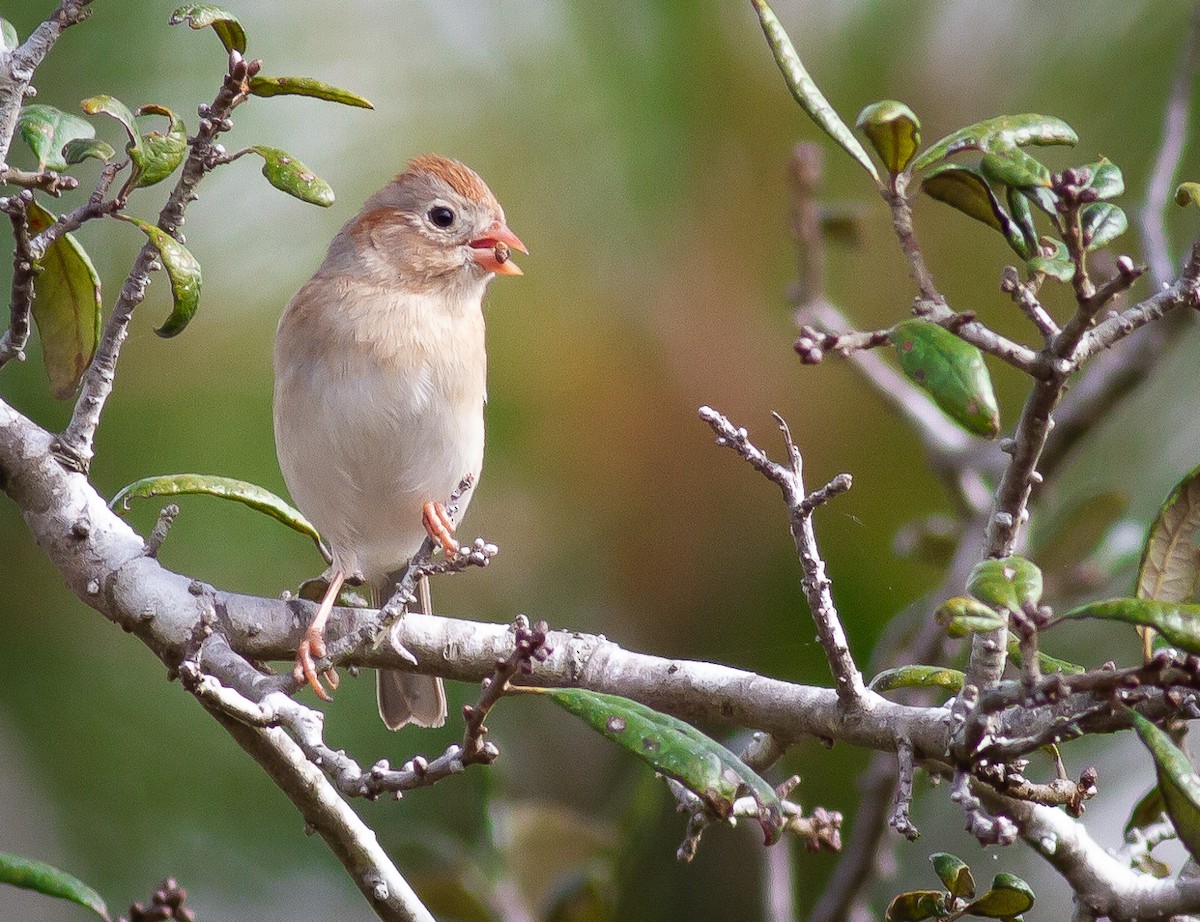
(380, 381)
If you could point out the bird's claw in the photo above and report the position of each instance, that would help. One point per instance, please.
(440, 527)
(312, 648)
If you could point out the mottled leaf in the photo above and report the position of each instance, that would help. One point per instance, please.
(1188, 193)
(1054, 261)
(262, 85)
(951, 371)
(183, 271)
(996, 133)
(1102, 223)
(916, 905)
(954, 874)
(46, 129)
(50, 881)
(1147, 810)
(675, 749)
(1010, 896)
(158, 155)
(1178, 622)
(893, 130)
(1011, 166)
(112, 106)
(80, 149)
(1107, 179)
(248, 494)
(283, 171)
(805, 91)
(9, 40)
(224, 23)
(66, 306)
(1006, 583)
(1176, 779)
(918, 676)
(961, 616)
(1169, 568)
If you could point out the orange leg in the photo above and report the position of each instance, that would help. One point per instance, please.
(313, 644)
(440, 527)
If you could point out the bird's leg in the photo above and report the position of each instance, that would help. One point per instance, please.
(440, 527)
(313, 644)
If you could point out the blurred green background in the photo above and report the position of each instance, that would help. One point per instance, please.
(639, 149)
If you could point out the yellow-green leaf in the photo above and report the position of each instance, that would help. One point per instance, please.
(965, 188)
(951, 371)
(9, 40)
(995, 133)
(805, 91)
(262, 85)
(1011, 166)
(1169, 568)
(183, 271)
(1176, 779)
(112, 106)
(285, 172)
(918, 676)
(916, 905)
(46, 129)
(1178, 622)
(893, 130)
(158, 155)
(1006, 583)
(46, 879)
(224, 23)
(954, 874)
(1187, 193)
(80, 149)
(1054, 260)
(1009, 897)
(962, 615)
(66, 306)
(241, 491)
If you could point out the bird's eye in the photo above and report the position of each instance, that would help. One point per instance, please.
(441, 216)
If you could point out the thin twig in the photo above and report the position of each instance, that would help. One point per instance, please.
(899, 819)
(51, 182)
(16, 337)
(1024, 295)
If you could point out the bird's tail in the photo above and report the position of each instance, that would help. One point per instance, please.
(405, 697)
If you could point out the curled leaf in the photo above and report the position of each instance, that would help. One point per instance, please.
(241, 491)
(961, 616)
(1107, 179)
(951, 371)
(1177, 781)
(224, 23)
(283, 171)
(1022, 216)
(805, 91)
(158, 155)
(1009, 897)
(80, 149)
(916, 905)
(1054, 260)
(954, 874)
(1169, 568)
(46, 129)
(675, 749)
(1102, 223)
(965, 188)
(893, 130)
(1006, 583)
(1187, 193)
(66, 308)
(1178, 622)
(1001, 132)
(1011, 166)
(46, 879)
(262, 85)
(183, 271)
(112, 106)
(918, 676)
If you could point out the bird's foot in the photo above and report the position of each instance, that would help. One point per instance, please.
(311, 649)
(440, 527)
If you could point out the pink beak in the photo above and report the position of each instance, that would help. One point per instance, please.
(492, 250)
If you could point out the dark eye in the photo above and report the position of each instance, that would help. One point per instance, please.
(441, 216)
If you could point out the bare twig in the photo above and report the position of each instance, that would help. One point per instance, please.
(1024, 295)
(16, 337)
(899, 819)
(790, 480)
(52, 183)
(166, 518)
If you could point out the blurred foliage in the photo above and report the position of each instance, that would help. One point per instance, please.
(639, 149)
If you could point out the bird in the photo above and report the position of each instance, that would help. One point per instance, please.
(380, 384)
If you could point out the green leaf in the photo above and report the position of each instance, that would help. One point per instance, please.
(1010, 896)
(80, 149)
(893, 130)
(997, 133)
(951, 371)
(806, 92)
(961, 616)
(1178, 622)
(918, 676)
(1056, 263)
(1176, 779)
(182, 269)
(954, 874)
(1102, 223)
(1147, 810)
(1022, 216)
(9, 40)
(158, 155)
(964, 187)
(224, 23)
(916, 905)
(1188, 193)
(1006, 583)
(46, 879)
(112, 106)
(261, 85)
(675, 749)
(1012, 167)
(46, 129)
(1169, 568)
(248, 494)
(283, 171)
(1107, 179)
(66, 306)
